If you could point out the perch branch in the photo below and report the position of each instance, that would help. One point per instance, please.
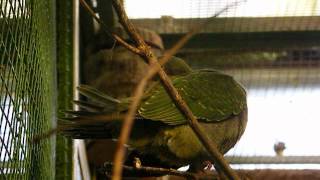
(155, 171)
(181, 105)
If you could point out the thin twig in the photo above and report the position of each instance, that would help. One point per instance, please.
(37, 138)
(128, 26)
(181, 105)
(125, 132)
(155, 171)
(105, 28)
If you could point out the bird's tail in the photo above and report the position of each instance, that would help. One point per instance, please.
(97, 118)
(100, 101)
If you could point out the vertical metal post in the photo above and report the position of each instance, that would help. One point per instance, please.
(79, 149)
(64, 151)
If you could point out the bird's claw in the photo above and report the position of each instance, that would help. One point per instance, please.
(207, 165)
(137, 162)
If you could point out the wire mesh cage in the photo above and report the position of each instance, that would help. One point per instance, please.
(27, 60)
(272, 48)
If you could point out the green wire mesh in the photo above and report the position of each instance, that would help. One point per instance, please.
(27, 56)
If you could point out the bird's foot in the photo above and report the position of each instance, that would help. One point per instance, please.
(201, 168)
(137, 162)
(207, 165)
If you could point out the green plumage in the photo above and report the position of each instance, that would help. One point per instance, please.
(211, 96)
(160, 130)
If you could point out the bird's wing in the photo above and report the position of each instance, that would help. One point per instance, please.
(211, 96)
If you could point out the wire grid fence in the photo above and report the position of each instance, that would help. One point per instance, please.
(26, 95)
(272, 47)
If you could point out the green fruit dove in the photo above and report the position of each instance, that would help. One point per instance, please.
(161, 134)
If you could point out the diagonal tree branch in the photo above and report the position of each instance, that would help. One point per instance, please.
(130, 29)
(181, 105)
(105, 28)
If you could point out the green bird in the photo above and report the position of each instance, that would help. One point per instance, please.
(161, 134)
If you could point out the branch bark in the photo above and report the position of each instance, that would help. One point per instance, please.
(105, 28)
(155, 171)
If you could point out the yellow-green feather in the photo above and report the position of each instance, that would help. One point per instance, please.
(211, 95)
